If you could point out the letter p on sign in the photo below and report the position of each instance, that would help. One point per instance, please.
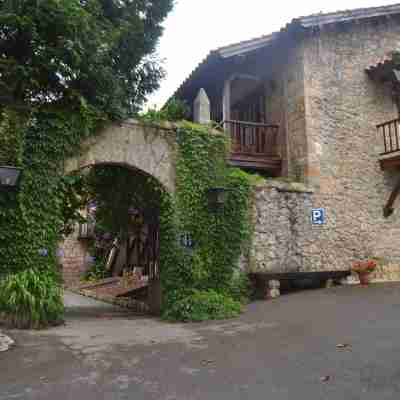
(318, 216)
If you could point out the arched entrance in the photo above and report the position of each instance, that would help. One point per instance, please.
(129, 244)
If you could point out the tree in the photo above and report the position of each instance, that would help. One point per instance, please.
(66, 67)
(99, 50)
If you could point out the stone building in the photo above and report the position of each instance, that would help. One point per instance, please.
(307, 103)
(314, 109)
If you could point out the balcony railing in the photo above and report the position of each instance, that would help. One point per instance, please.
(253, 139)
(390, 132)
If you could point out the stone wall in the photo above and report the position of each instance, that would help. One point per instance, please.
(275, 104)
(331, 109)
(74, 259)
(342, 108)
(294, 92)
(284, 238)
(285, 104)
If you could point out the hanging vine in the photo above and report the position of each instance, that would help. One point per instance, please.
(205, 282)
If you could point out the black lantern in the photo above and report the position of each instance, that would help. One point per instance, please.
(9, 177)
(216, 198)
(86, 230)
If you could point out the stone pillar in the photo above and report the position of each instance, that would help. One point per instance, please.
(73, 260)
(226, 101)
(273, 289)
(201, 108)
(154, 297)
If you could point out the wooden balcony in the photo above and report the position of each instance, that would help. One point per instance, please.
(254, 146)
(390, 132)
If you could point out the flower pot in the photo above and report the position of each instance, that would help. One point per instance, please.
(364, 278)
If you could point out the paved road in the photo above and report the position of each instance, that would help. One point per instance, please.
(82, 307)
(277, 350)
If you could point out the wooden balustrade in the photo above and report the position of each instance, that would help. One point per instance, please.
(254, 146)
(390, 132)
(251, 138)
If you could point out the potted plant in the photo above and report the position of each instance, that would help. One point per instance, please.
(363, 269)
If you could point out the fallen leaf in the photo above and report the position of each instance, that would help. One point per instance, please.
(342, 346)
(325, 378)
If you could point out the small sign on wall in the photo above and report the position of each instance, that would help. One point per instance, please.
(318, 216)
(186, 240)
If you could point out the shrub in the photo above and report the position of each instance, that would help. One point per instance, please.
(202, 305)
(239, 287)
(31, 299)
(97, 271)
(174, 110)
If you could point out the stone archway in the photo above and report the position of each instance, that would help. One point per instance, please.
(148, 148)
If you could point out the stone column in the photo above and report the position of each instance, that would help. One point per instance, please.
(201, 108)
(273, 289)
(226, 101)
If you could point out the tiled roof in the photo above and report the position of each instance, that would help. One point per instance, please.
(309, 22)
(246, 45)
(346, 15)
(313, 20)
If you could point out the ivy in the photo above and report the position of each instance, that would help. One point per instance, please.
(200, 283)
(32, 221)
(203, 283)
(66, 67)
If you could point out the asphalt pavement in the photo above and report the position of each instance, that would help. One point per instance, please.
(339, 343)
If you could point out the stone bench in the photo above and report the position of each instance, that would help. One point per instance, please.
(270, 283)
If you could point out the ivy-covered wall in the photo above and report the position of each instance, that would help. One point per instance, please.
(202, 282)
(32, 218)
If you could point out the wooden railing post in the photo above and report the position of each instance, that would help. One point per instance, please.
(390, 134)
(252, 138)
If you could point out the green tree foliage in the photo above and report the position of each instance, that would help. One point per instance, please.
(101, 50)
(174, 110)
(66, 68)
(117, 191)
(30, 299)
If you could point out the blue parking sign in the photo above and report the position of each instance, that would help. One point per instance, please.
(318, 216)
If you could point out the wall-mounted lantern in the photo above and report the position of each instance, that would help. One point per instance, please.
(9, 177)
(216, 198)
(86, 230)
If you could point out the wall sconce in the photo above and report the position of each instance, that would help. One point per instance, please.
(86, 230)
(9, 177)
(216, 198)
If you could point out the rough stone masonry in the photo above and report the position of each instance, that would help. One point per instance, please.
(329, 111)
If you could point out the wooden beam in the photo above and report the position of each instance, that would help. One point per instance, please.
(321, 275)
(390, 162)
(388, 209)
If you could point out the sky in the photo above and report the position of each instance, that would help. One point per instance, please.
(195, 27)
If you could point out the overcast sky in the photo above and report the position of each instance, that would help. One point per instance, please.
(195, 27)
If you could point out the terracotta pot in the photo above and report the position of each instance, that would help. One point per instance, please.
(364, 278)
